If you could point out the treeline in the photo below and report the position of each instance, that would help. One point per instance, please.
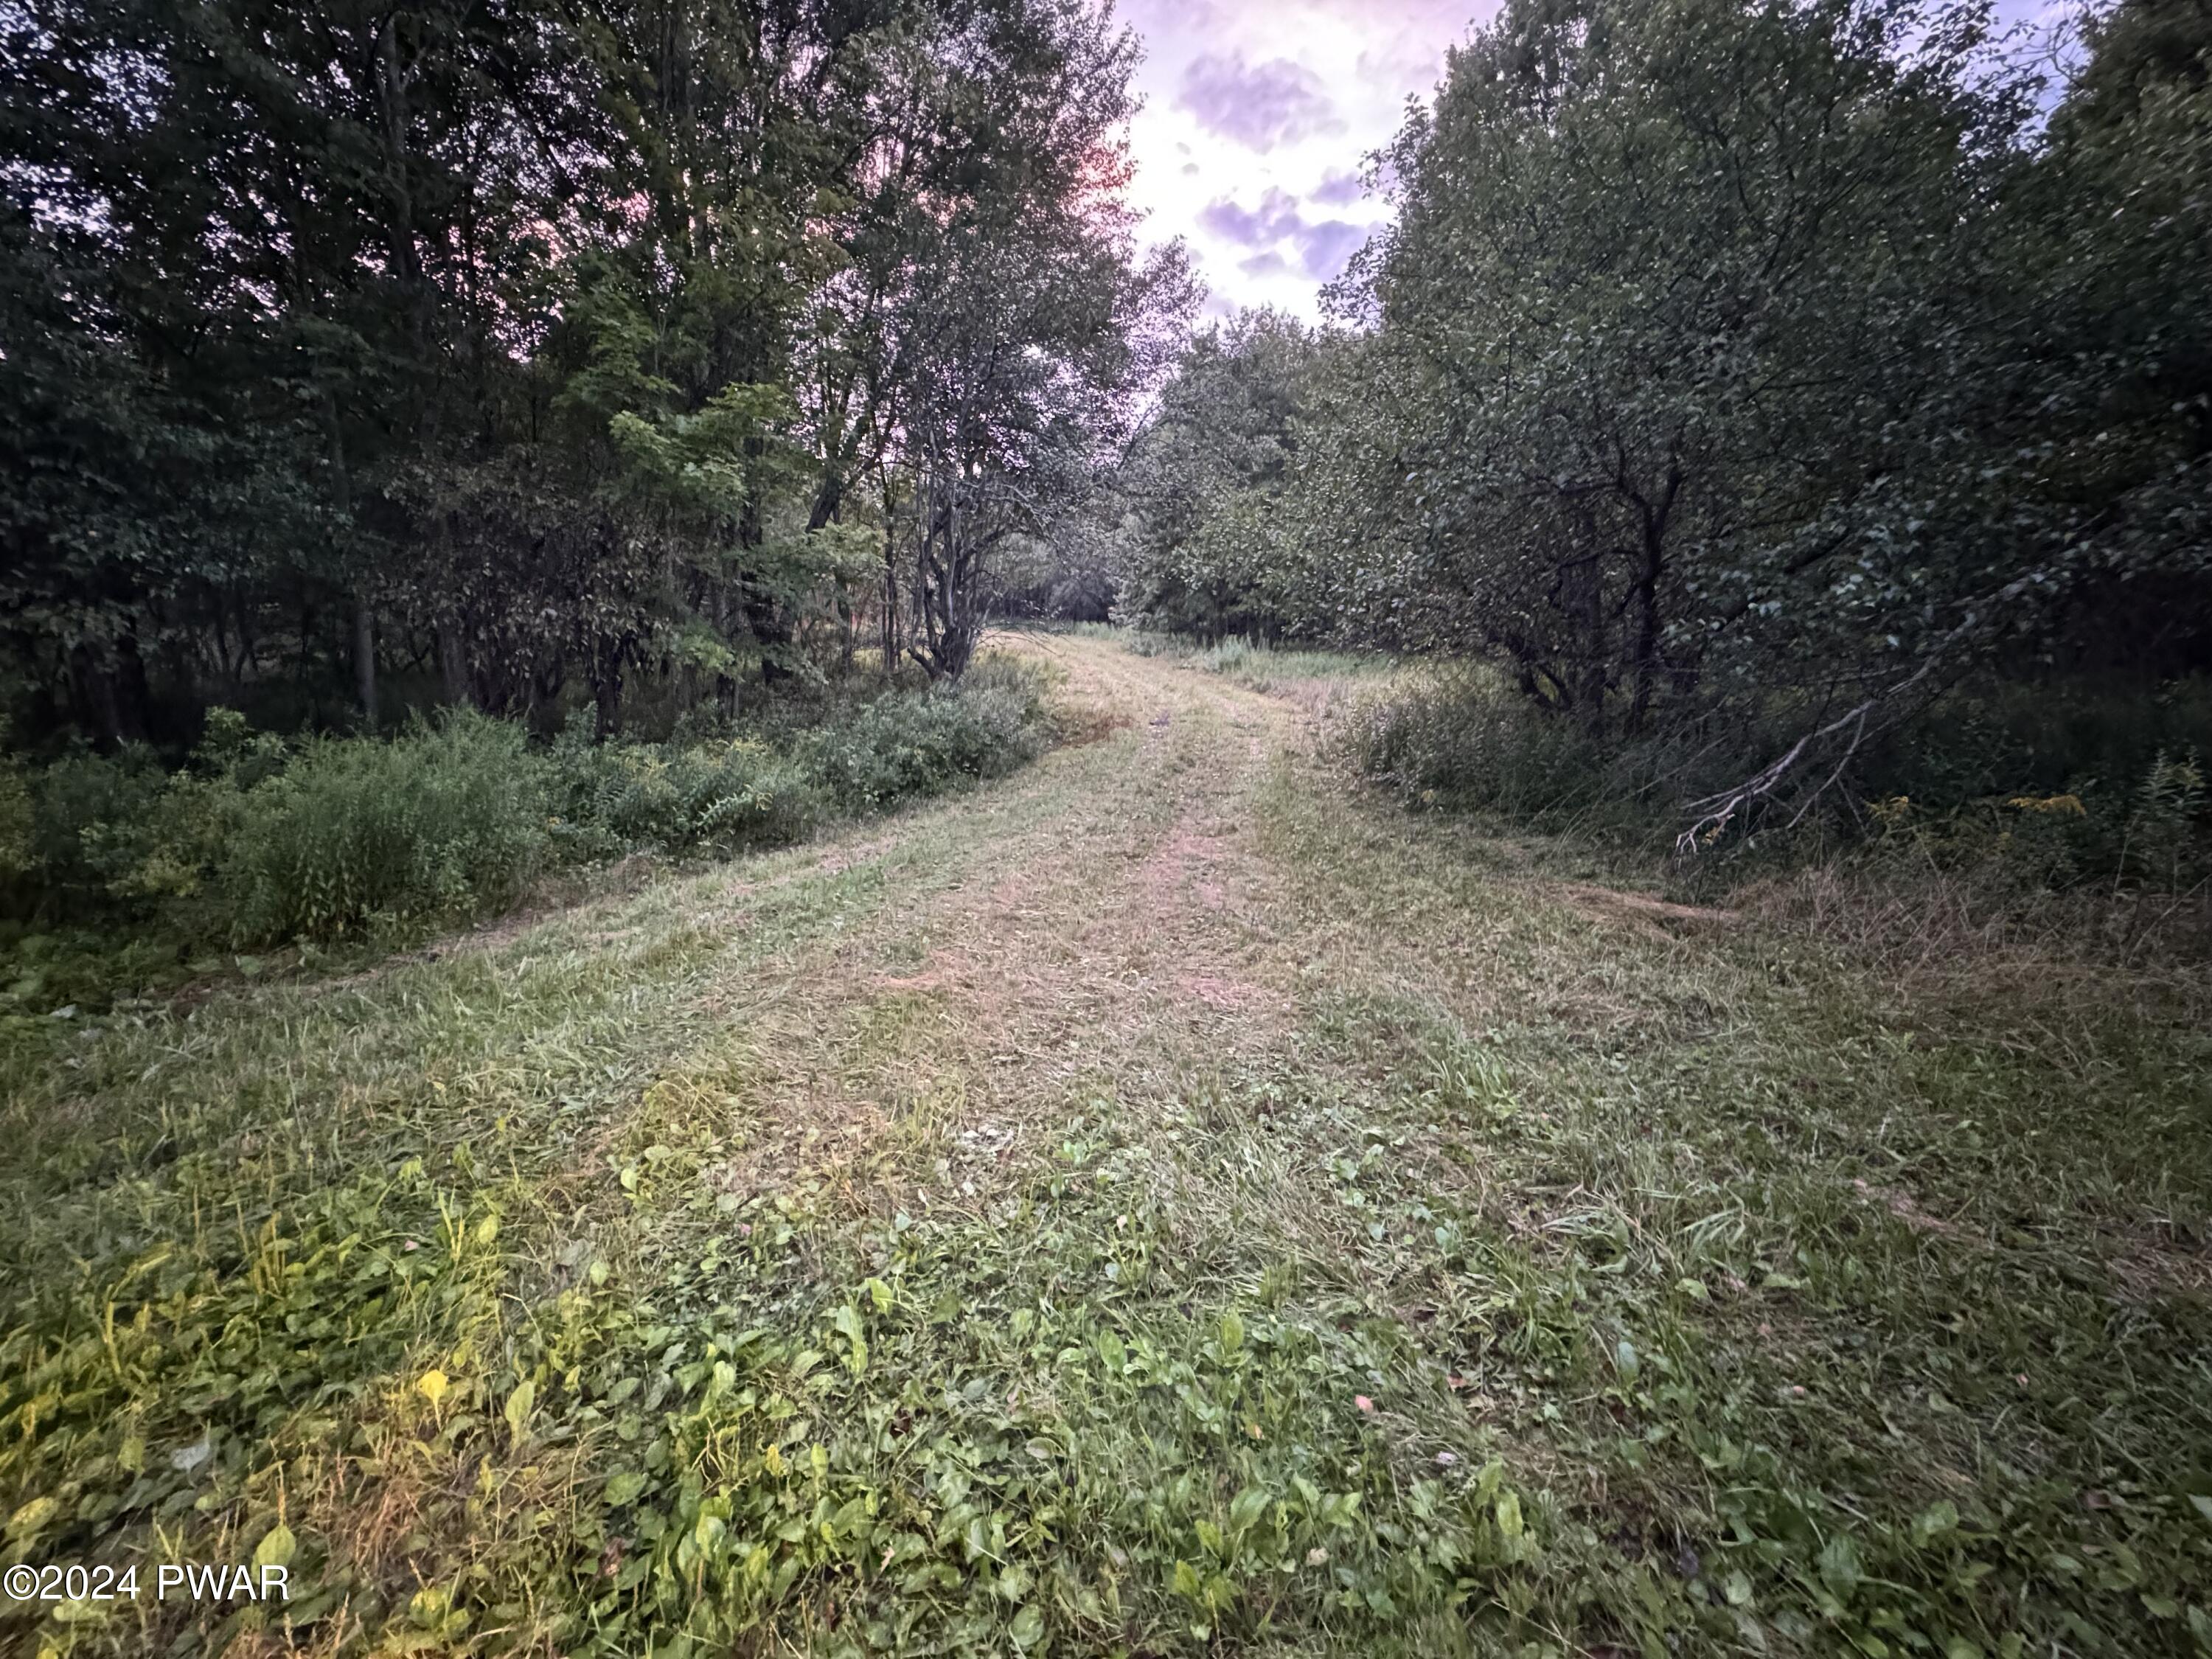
(1739, 378)
(532, 357)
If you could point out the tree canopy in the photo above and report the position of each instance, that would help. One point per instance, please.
(1730, 352)
(522, 349)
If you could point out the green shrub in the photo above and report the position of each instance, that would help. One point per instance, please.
(2015, 796)
(262, 840)
(92, 819)
(901, 747)
(718, 797)
(449, 819)
(18, 823)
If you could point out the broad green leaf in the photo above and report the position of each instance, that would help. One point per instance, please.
(27, 1519)
(276, 1547)
(1508, 1511)
(519, 1407)
(1840, 1566)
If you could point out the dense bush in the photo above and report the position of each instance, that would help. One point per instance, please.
(719, 797)
(2027, 791)
(1456, 739)
(901, 746)
(449, 819)
(260, 840)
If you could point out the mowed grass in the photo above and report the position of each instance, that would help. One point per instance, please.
(878, 1247)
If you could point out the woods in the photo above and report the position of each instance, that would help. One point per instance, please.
(760, 894)
(1739, 378)
(361, 357)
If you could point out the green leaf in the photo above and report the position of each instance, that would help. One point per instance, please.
(276, 1547)
(1737, 1588)
(1840, 1566)
(1937, 1519)
(27, 1519)
(1624, 1360)
(1233, 1333)
(1247, 1508)
(518, 1405)
(1111, 1351)
(622, 1488)
(1508, 1511)
(1028, 1628)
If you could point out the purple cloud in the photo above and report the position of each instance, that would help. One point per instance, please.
(1324, 248)
(1340, 190)
(1276, 218)
(1320, 250)
(1257, 105)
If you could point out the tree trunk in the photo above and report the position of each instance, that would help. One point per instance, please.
(607, 688)
(92, 697)
(1647, 604)
(364, 659)
(453, 663)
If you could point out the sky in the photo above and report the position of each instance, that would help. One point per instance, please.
(1258, 116)
(1258, 119)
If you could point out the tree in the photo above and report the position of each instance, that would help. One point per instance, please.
(532, 350)
(1200, 496)
(1025, 330)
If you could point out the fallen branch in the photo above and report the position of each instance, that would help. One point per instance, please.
(1716, 812)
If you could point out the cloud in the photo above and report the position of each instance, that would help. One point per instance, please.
(1324, 248)
(1321, 248)
(1257, 105)
(1340, 190)
(1276, 218)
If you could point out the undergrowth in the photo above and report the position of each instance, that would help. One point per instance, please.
(2004, 811)
(119, 874)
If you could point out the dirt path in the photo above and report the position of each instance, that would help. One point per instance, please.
(1107, 920)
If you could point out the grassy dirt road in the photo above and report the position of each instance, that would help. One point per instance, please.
(1159, 1203)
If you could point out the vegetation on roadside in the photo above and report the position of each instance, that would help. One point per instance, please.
(1597, 1042)
(1742, 402)
(122, 876)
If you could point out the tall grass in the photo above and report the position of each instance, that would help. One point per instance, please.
(1981, 812)
(260, 841)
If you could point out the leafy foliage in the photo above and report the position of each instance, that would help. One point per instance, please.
(266, 840)
(1740, 374)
